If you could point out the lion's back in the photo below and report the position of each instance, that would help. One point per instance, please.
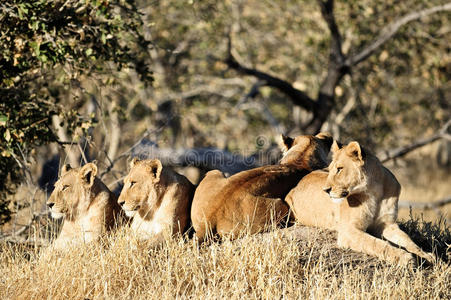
(207, 199)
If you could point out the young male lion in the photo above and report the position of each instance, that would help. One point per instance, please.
(357, 195)
(89, 208)
(252, 199)
(158, 198)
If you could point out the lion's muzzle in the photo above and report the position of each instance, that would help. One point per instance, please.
(334, 196)
(129, 211)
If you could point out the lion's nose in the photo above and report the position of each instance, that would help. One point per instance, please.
(121, 202)
(327, 189)
(50, 205)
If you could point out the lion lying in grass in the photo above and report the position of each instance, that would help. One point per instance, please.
(158, 198)
(357, 196)
(89, 208)
(252, 199)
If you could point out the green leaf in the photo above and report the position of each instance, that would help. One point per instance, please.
(22, 10)
(3, 120)
(43, 58)
(36, 46)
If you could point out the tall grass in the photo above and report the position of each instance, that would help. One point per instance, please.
(266, 266)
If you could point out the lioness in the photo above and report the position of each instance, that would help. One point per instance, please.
(252, 198)
(89, 208)
(357, 195)
(158, 198)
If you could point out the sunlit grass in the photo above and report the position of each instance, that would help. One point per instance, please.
(264, 266)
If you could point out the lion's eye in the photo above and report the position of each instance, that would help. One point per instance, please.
(64, 187)
(339, 169)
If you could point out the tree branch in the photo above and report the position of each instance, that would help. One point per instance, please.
(297, 97)
(253, 92)
(336, 53)
(200, 90)
(62, 136)
(335, 72)
(115, 132)
(401, 151)
(127, 152)
(425, 205)
(390, 30)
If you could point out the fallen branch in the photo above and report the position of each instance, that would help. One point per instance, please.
(401, 151)
(435, 206)
(204, 158)
(425, 205)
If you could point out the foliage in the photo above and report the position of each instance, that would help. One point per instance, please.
(49, 44)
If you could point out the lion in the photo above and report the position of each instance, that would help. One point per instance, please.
(157, 198)
(253, 199)
(89, 208)
(356, 197)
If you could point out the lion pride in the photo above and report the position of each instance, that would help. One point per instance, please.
(89, 208)
(358, 196)
(252, 199)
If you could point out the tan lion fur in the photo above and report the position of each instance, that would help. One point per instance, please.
(158, 198)
(356, 197)
(252, 198)
(89, 208)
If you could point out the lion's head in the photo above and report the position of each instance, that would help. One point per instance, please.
(306, 151)
(72, 193)
(141, 185)
(347, 174)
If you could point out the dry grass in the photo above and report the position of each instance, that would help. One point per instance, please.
(269, 266)
(279, 264)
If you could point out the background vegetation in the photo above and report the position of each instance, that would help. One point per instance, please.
(47, 47)
(85, 80)
(76, 74)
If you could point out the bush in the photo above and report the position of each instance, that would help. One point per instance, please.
(46, 44)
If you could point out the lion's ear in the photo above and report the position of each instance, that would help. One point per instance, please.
(65, 169)
(133, 162)
(335, 147)
(155, 168)
(354, 151)
(326, 138)
(285, 143)
(88, 173)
